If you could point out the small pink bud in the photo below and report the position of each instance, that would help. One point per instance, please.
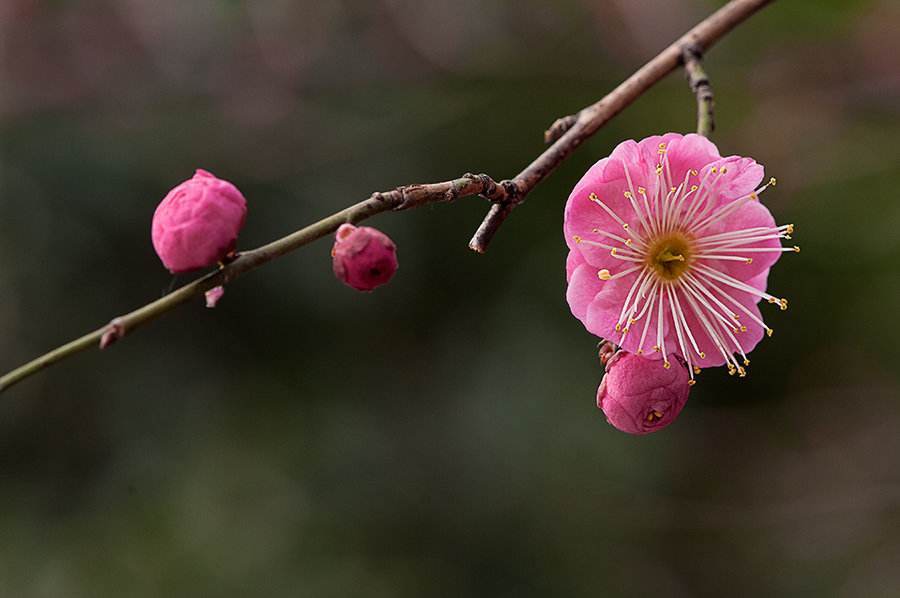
(363, 258)
(197, 223)
(213, 296)
(640, 395)
(114, 331)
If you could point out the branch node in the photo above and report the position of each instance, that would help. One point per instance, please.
(559, 127)
(691, 56)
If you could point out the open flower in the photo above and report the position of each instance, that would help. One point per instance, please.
(669, 251)
(639, 397)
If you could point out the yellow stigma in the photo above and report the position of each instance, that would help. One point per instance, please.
(603, 274)
(669, 255)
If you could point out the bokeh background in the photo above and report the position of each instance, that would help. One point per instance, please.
(438, 437)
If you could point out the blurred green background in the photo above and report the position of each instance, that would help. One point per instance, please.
(438, 437)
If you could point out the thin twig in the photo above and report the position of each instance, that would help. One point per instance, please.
(402, 198)
(701, 87)
(569, 132)
(566, 134)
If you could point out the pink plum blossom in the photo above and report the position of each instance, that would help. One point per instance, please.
(197, 223)
(363, 258)
(639, 397)
(670, 250)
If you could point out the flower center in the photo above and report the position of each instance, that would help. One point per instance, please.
(670, 255)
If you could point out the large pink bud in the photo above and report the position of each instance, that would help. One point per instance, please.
(197, 223)
(363, 258)
(640, 395)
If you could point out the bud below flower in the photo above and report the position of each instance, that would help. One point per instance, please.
(363, 258)
(640, 395)
(197, 223)
(213, 296)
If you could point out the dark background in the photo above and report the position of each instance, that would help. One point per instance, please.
(438, 437)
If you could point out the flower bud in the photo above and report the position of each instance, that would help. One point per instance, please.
(640, 395)
(197, 223)
(213, 296)
(363, 258)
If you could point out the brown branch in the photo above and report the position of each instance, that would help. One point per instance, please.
(566, 134)
(699, 84)
(569, 132)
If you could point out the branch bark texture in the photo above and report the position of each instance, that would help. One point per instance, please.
(565, 136)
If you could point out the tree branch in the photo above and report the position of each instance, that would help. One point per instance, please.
(569, 132)
(566, 135)
(701, 87)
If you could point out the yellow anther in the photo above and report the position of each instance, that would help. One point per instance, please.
(783, 304)
(742, 372)
(694, 171)
(731, 370)
(642, 191)
(625, 226)
(696, 370)
(749, 260)
(743, 329)
(625, 331)
(714, 169)
(631, 320)
(576, 238)
(628, 242)
(658, 169)
(773, 181)
(769, 332)
(671, 189)
(604, 274)
(694, 187)
(691, 382)
(612, 251)
(618, 327)
(735, 330)
(790, 229)
(655, 348)
(724, 170)
(662, 145)
(627, 194)
(666, 364)
(702, 355)
(796, 249)
(770, 299)
(640, 351)
(746, 361)
(593, 197)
